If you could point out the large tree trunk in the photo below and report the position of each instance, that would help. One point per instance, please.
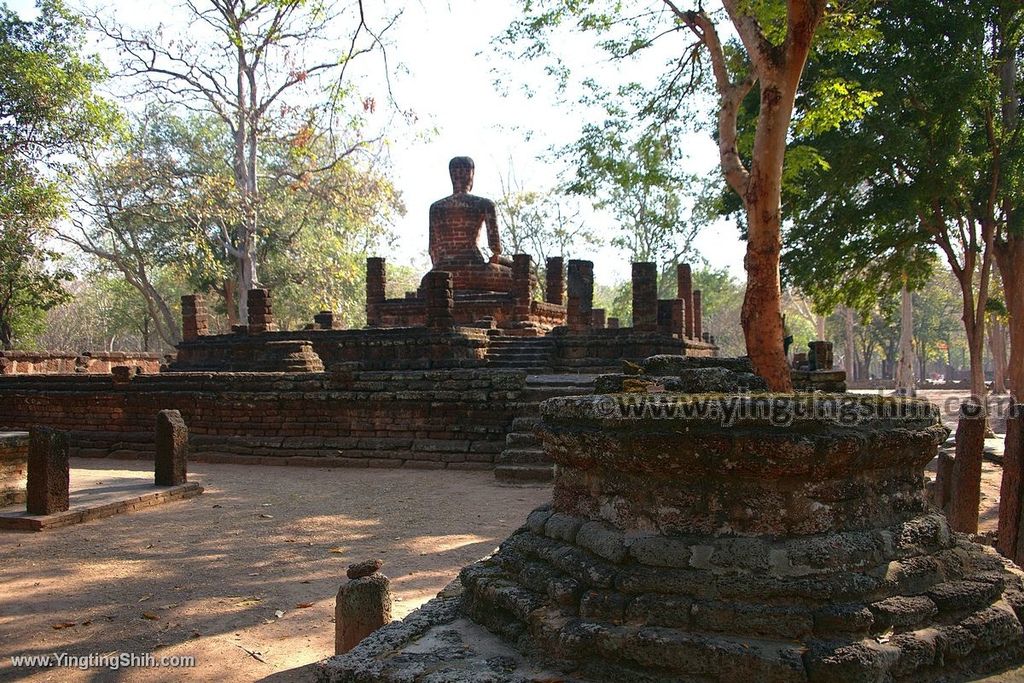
(762, 303)
(1010, 260)
(997, 349)
(905, 364)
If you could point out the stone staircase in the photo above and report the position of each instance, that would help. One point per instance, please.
(523, 461)
(521, 353)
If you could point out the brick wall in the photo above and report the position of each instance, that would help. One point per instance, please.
(94, 362)
(371, 349)
(453, 419)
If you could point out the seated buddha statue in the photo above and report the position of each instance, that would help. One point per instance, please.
(455, 225)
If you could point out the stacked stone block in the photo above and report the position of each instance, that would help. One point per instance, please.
(684, 288)
(440, 300)
(645, 297)
(376, 284)
(554, 278)
(522, 285)
(195, 319)
(579, 313)
(698, 313)
(261, 312)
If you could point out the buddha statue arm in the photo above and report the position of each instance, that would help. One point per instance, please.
(493, 237)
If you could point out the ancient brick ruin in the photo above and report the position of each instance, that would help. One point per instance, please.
(685, 545)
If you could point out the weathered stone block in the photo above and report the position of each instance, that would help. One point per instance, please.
(171, 461)
(362, 606)
(49, 475)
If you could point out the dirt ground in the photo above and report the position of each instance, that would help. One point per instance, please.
(244, 576)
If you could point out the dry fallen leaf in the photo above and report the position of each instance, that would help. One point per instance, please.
(266, 516)
(279, 614)
(340, 551)
(64, 624)
(248, 602)
(150, 616)
(303, 605)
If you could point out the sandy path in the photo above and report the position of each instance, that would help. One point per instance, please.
(205, 577)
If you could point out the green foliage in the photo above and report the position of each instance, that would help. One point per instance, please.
(920, 158)
(164, 198)
(47, 108)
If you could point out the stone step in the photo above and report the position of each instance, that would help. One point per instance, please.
(522, 440)
(524, 474)
(525, 424)
(523, 456)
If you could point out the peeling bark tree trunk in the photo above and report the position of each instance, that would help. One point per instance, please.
(1010, 259)
(997, 348)
(905, 364)
(777, 70)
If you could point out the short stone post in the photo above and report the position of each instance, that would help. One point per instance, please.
(554, 280)
(376, 284)
(820, 356)
(613, 323)
(581, 295)
(363, 605)
(965, 493)
(645, 297)
(597, 318)
(522, 264)
(195, 319)
(261, 312)
(943, 486)
(1011, 490)
(698, 321)
(171, 449)
(684, 285)
(440, 300)
(49, 472)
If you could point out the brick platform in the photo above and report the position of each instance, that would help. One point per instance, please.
(96, 494)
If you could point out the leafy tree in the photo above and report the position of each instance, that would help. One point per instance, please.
(775, 40)
(271, 73)
(873, 213)
(165, 198)
(47, 108)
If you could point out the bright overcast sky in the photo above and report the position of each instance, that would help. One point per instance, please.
(446, 53)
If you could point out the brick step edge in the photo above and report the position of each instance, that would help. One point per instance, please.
(524, 474)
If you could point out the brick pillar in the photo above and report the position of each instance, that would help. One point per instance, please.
(613, 323)
(645, 297)
(665, 316)
(698, 322)
(49, 473)
(376, 283)
(440, 300)
(820, 356)
(581, 294)
(597, 317)
(362, 606)
(554, 290)
(965, 493)
(522, 264)
(1011, 491)
(195, 319)
(171, 449)
(684, 285)
(261, 312)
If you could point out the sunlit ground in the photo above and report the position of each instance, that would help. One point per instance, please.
(244, 576)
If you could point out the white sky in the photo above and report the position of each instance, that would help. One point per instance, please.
(444, 47)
